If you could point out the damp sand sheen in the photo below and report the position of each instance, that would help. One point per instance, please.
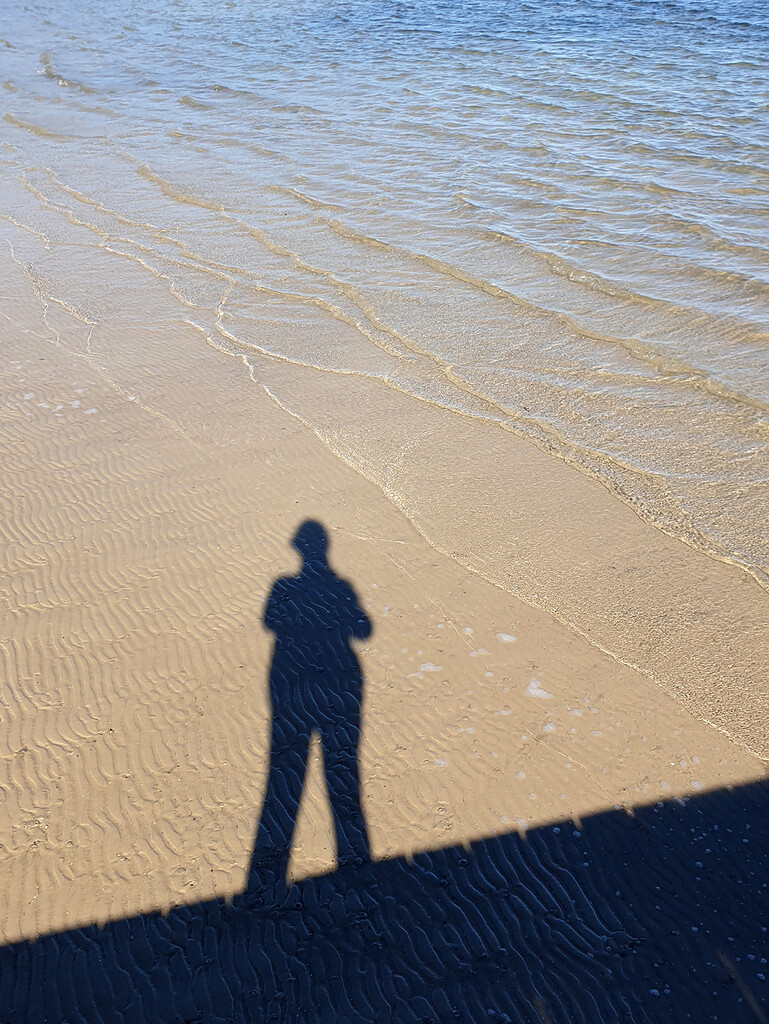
(537, 441)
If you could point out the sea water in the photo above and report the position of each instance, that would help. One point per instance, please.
(549, 215)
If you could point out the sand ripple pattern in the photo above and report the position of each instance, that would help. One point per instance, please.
(110, 614)
(612, 921)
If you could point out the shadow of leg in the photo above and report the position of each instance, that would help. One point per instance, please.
(340, 755)
(288, 764)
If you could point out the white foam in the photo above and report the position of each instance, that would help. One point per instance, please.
(534, 689)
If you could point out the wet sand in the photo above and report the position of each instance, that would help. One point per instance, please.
(148, 504)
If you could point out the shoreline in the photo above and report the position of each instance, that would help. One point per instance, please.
(140, 541)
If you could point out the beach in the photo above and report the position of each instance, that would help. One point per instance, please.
(543, 485)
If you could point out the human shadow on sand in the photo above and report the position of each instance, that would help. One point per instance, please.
(661, 915)
(316, 686)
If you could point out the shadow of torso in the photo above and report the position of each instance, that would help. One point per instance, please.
(315, 673)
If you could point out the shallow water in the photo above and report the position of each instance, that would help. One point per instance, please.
(549, 215)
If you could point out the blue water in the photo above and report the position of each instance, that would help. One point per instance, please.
(552, 215)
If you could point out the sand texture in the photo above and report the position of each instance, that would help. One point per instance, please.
(618, 921)
(553, 835)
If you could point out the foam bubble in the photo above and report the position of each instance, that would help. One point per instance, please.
(534, 689)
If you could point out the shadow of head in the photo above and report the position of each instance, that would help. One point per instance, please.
(311, 541)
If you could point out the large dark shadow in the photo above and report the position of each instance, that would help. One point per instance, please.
(661, 916)
(316, 686)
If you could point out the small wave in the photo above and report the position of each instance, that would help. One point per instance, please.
(304, 197)
(608, 286)
(175, 192)
(188, 101)
(295, 108)
(35, 129)
(48, 71)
